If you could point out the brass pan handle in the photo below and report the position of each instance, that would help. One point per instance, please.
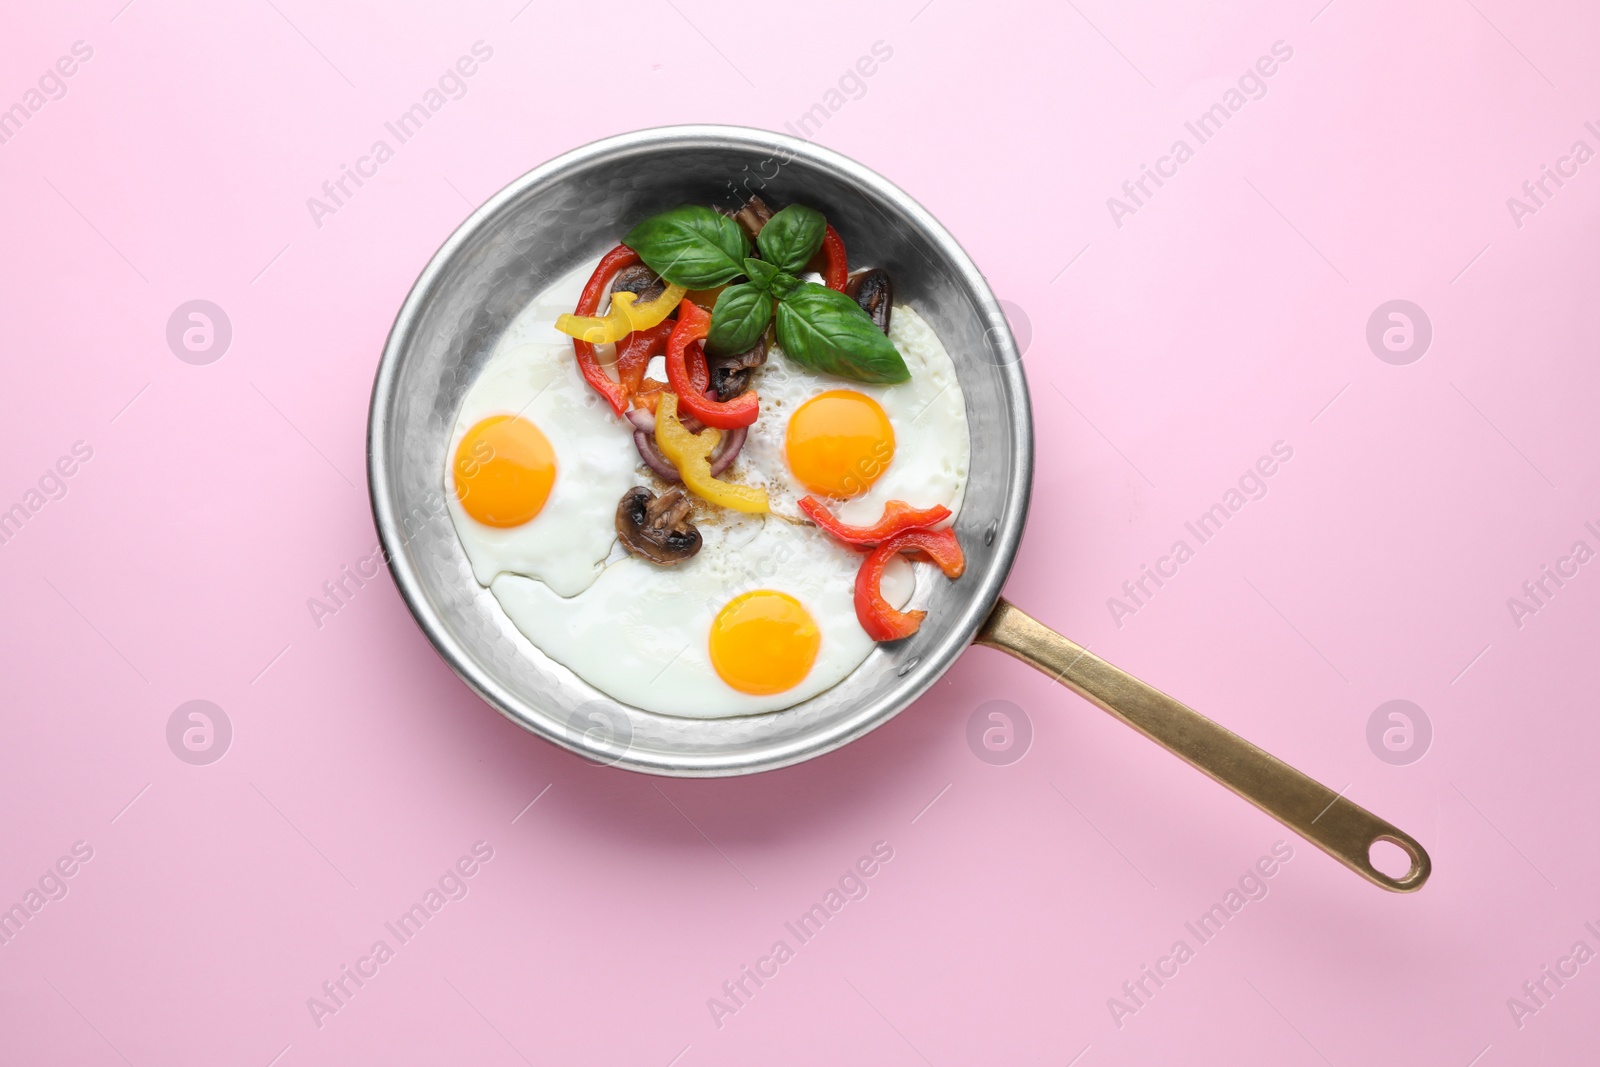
(1340, 828)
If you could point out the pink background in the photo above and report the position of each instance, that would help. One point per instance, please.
(1228, 313)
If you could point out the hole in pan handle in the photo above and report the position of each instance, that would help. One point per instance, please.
(1344, 830)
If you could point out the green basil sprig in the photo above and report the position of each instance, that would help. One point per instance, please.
(825, 330)
(761, 273)
(791, 237)
(739, 318)
(785, 285)
(691, 246)
(817, 327)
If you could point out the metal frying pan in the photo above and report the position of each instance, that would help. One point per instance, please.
(573, 208)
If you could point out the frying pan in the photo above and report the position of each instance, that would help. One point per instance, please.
(572, 209)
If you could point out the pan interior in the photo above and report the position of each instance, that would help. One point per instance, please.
(571, 210)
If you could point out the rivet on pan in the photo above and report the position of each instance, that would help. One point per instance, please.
(988, 535)
(910, 665)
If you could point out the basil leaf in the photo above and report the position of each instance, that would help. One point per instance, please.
(784, 285)
(691, 246)
(761, 273)
(825, 330)
(791, 237)
(738, 319)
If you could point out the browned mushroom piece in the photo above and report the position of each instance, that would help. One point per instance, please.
(657, 528)
(729, 382)
(730, 375)
(752, 216)
(640, 280)
(875, 293)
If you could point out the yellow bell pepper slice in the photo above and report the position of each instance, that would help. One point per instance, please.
(624, 318)
(691, 454)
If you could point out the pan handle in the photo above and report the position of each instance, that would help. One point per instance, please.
(1340, 828)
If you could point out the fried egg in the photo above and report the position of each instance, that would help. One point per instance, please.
(537, 460)
(763, 616)
(856, 447)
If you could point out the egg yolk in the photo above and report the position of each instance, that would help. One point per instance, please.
(764, 642)
(504, 469)
(839, 442)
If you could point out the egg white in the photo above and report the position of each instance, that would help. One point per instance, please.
(640, 632)
(532, 373)
(928, 414)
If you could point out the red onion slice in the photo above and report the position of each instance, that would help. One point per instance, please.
(727, 451)
(653, 458)
(644, 440)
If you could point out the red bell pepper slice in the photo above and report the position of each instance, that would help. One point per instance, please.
(699, 369)
(898, 517)
(878, 619)
(589, 304)
(635, 354)
(837, 274)
(689, 378)
(649, 394)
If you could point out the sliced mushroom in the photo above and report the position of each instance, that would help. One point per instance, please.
(754, 356)
(752, 216)
(730, 375)
(657, 527)
(640, 280)
(730, 382)
(873, 290)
